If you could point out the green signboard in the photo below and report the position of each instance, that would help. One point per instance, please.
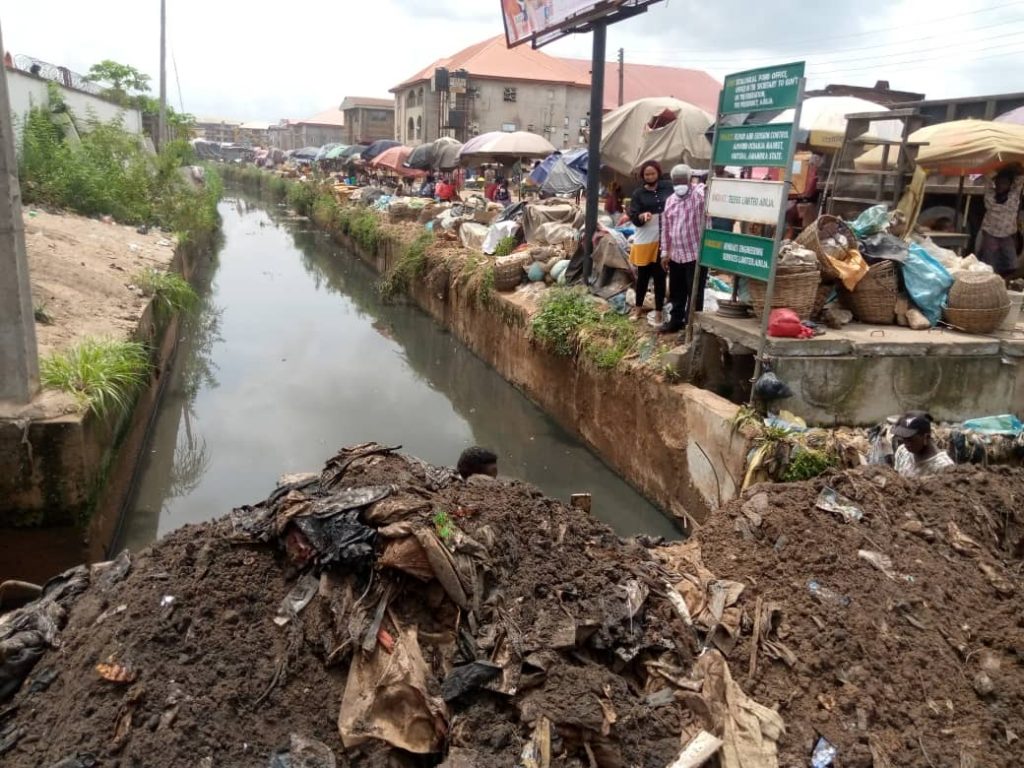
(759, 90)
(754, 145)
(739, 254)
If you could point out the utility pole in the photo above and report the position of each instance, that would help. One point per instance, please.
(19, 356)
(161, 126)
(594, 148)
(622, 74)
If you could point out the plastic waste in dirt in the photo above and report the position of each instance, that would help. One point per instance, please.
(827, 595)
(824, 754)
(831, 501)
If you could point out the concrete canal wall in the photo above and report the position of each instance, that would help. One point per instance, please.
(675, 443)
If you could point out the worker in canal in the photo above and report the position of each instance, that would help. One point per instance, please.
(645, 208)
(681, 228)
(999, 227)
(917, 454)
(477, 461)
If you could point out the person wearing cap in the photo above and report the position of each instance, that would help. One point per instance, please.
(645, 207)
(682, 225)
(917, 454)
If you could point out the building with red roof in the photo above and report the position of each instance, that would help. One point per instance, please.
(491, 87)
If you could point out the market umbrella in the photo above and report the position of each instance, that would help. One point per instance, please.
(377, 147)
(393, 159)
(500, 145)
(322, 154)
(355, 149)
(1013, 116)
(960, 147)
(306, 153)
(336, 152)
(660, 128)
(441, 155)
(823, 120)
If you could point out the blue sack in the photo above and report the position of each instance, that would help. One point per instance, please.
(927, 282)
(1004, 424)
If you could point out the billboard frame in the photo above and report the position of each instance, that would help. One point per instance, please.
(603, 12)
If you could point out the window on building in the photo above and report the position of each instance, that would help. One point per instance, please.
(420, 98)
(410, 99)
(411, 130)
(419, 127)
(508, 127)
(509, 95)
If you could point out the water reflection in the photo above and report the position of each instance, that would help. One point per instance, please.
(293, 355)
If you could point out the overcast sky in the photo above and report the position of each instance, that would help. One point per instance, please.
(235, 62)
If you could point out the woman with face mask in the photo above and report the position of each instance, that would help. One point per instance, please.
(645, 209)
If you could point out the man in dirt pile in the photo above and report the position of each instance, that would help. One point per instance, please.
(918, 455)
(478, 461)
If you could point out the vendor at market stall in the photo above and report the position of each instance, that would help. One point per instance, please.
(999, 227)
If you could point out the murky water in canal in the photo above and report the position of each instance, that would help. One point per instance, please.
(294, 355)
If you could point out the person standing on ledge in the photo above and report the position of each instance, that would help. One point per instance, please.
(918, 455)
(682, 226)
(999, 227)
(645, 209)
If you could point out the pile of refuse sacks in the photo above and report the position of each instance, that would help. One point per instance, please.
(384, 612)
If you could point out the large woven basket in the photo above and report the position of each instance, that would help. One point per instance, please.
(975, 320)
(795, 288)
(508, 271)
(874, 298)
(978, 290)
(813, 237)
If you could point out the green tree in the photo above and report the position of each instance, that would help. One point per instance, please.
(122, 80)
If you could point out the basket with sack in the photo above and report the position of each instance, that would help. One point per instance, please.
(977, 302)
(509, 270)
(835, 245)
(874, 298)
(796, 288)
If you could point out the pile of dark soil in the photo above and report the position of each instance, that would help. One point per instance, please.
(923, 667)
(205, 677)
(386, 614)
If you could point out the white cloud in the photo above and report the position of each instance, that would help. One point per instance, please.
(236, 61)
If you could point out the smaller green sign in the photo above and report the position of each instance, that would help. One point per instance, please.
(740, 254)
(757, 90)
(754, 145)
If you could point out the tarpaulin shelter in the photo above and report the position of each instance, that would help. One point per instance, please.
(376, 148)
(1013, 116)
(393, 159)
(306, 154)
(439, 155)
(960, 147)
(660, 128)
(823, 121)
(560, 174)
(499, 145)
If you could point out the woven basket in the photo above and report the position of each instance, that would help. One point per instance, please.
(978, 290)
(795, 288)
(821, 297)
(874, 298)
(824, 227)
(508, 271)
(975, 320)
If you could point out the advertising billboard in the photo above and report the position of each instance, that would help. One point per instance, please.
(542, 21)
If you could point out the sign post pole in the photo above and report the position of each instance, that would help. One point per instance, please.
(594, 147)
(787, 182)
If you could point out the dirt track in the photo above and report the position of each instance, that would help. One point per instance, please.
(575, 619)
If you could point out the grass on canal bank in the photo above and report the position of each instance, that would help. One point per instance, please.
(104, 375)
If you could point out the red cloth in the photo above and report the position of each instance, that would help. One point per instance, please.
(444, 191)
(784, 323)
(489, 191)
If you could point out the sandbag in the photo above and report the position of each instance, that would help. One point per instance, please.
(927, 282)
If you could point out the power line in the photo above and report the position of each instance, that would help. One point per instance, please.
(898, 28)
(988, 53)
(858, 52)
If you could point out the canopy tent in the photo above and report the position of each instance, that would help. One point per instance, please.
(439, 155)
(959, 148)
(376, 148)
(1013, 116)
(335, 152)
(393, 159)
(823, 121)
(562, 173)
(661, 128)
(499, 145)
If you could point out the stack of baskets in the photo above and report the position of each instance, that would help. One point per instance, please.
(815, 236)
(977, 303)
(796, 288)
(509, 270)
(874, 298)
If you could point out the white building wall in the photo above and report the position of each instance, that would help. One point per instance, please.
(27, 91)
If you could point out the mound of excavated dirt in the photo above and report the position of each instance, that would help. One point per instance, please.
(920, 667)
(384, 613)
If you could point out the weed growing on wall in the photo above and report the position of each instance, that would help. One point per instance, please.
(170, 290)
(564, 312)
(104, 375)
(411, 266)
